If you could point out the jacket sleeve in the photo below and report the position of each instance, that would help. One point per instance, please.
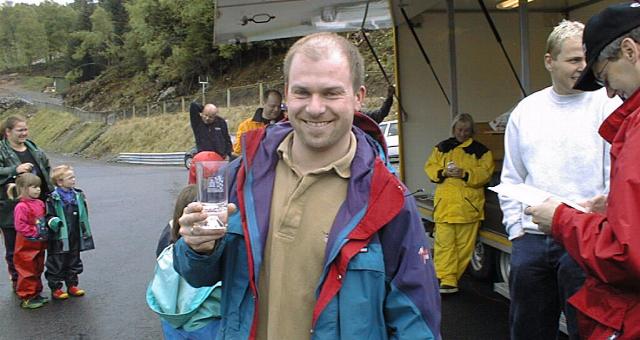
(480, 175)
(46, 166)
(608, 247)
(53, 221)
(22, 223)
(412, 304)
(194, 114)
(607, 250)
(227, 139)
(237, 146)
(7, 171)
(380, 114)
(434, 167)
(199, 270)
(513, 172)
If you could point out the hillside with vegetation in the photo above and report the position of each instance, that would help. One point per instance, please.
(121, 53)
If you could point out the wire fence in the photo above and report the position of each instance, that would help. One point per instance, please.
(252, 94)
(248, 95)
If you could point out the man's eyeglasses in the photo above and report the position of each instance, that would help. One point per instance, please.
(598, 76)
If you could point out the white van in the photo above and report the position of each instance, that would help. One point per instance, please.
(390, 132)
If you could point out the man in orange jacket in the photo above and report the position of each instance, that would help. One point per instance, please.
(606, 241)
(269, 114)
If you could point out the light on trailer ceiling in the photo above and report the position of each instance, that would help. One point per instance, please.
(509, 4)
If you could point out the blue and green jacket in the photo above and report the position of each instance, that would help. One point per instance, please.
(388, 292)
(66, 221)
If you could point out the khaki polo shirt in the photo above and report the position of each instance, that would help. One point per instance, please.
(303, 210)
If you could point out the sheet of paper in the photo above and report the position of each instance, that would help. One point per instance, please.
(529, 195)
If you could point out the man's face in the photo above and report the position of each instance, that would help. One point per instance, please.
(322, 102)
(209, 113)
(462, 131)
(620, 77)
(271, 109)
(566, 67)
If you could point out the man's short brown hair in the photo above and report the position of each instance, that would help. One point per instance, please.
(320, 45)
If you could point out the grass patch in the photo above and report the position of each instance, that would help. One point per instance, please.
(78, 137)
(36, 83)
(57, 131)
(47, 126)
(63, 132)
(163, 133)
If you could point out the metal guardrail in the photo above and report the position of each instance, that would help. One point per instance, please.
(169, 158)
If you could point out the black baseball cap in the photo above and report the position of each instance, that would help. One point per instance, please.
(603, 28)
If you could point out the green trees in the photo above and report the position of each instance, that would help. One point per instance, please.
(157, 42)
(58, 24)
(22, 31)
(175, 37)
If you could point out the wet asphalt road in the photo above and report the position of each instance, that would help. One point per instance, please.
(129, 205)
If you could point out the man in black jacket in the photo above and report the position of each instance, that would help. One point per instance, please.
(210, 131)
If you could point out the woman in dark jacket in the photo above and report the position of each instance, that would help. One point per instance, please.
(17, 155)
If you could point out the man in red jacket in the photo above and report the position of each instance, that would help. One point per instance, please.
(606, 241)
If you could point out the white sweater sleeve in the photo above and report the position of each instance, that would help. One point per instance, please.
(608, 107)
(513, 172)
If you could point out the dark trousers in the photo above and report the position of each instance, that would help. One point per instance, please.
(9, 236)
(542, 277)
(63, 267)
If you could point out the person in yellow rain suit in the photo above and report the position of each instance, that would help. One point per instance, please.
(460, 167)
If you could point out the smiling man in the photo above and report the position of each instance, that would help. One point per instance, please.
(326, 243)
(606, 242)
(551, 143)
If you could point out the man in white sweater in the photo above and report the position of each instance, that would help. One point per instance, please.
(551, 143)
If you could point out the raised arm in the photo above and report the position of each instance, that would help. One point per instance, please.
(194, 114)
(380, 114)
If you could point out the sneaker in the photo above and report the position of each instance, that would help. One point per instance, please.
(31, 303)
(447, 289)
(40, 298)
(75, 291)
(59, 294)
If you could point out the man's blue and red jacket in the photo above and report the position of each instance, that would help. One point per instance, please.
(388, 292)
